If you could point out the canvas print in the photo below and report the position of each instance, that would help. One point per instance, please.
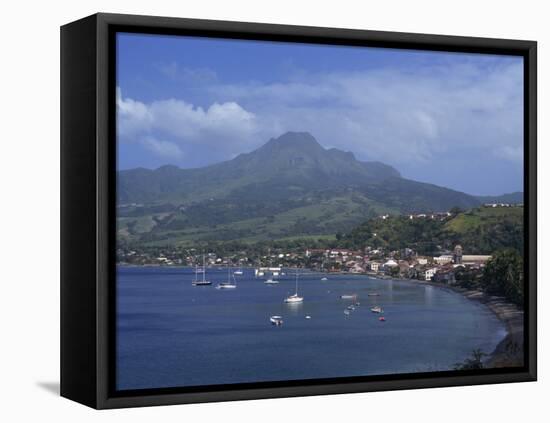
(295, 212)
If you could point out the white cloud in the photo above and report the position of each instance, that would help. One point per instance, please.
(393, 115)
(180, 124)
(388, 114)
(133, 117)
(163, 149)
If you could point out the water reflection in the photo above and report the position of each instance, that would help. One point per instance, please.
(294, 308)
(428, 295)
(390, 290)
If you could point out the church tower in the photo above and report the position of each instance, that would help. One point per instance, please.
(457, 256)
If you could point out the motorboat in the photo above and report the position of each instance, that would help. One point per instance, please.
(276, 320)
(376, 309)
(348, 296)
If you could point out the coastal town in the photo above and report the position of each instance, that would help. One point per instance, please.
(404, 264)
(447, 266)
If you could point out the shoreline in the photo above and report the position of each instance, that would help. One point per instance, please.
(509, 352)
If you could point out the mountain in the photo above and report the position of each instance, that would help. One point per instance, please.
(511, 198)
(290, 161)
(290, 186)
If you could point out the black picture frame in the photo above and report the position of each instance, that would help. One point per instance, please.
(88, 215)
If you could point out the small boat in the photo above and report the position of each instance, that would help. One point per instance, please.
(348, 296)
(197, 281)
(376, 309)
(347, 312)
(276, 320)
(294, 298)
(238, 272)
(382, 319)
(357, 304)
(229, 284)
(308, 317)
(373, 294)
(350, 307)
(271, 281)
(324, 279)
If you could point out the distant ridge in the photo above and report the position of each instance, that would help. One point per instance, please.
(510, 198)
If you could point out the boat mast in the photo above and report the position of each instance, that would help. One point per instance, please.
(296, 282)
(203, 269)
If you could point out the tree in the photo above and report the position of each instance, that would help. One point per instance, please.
(466, 278)
(456, 210)
(503, 275)
(472, 363)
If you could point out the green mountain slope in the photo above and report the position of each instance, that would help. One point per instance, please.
(480, 230)
(290, 186)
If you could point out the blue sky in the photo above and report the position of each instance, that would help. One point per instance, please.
(450, 119)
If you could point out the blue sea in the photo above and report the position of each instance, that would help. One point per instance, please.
(172, 334)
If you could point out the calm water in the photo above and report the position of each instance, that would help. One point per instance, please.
(173, 334)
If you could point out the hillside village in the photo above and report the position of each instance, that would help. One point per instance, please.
(448, 266)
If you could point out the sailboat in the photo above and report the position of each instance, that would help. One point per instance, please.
(294, 298)
(229, 284)
(239, 271)
(197, 281)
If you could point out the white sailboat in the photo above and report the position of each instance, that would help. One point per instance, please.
(230, 284)
(197, 281)
(238, 272)
(294, 298)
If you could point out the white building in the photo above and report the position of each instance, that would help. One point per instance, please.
(429, 273)
(444, 259)
(390, 263)
(475, 259)
(374, 266)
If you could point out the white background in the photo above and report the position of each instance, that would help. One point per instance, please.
(29, 235)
